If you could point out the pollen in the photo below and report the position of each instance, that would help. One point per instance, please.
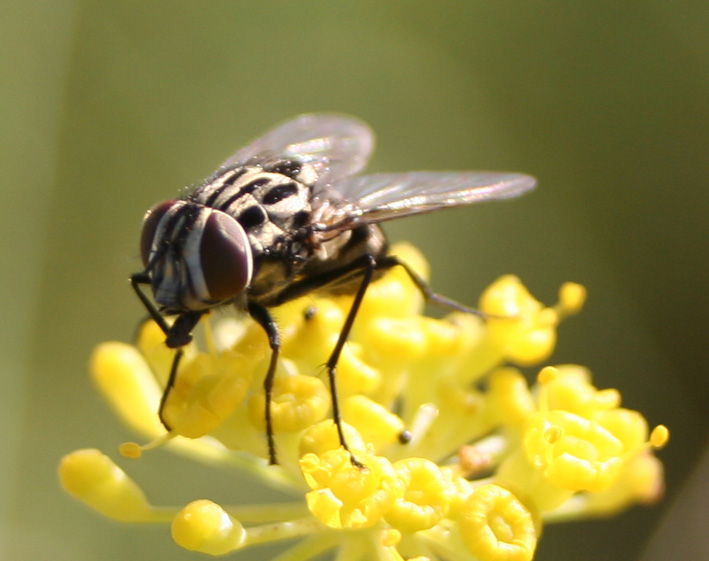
(572, 297)
(131, 450)
(659, 436)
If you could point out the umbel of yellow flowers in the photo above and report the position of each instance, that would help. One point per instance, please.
(486, 462)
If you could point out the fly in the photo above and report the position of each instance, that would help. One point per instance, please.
(285, 216)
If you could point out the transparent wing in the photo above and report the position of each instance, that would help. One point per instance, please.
(381, 197)
(338, 146)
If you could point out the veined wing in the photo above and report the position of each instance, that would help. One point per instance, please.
(338, 146)
(380, 197)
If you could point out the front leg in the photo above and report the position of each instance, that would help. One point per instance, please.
(177, 336)
(262, 316)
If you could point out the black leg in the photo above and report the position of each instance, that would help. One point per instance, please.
(143, 278)
(357, 268)
(168, 387)
(176, 336)
(264, 319)
(367, 275)
(428, 294)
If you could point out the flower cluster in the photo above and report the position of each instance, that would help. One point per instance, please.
(463, 459)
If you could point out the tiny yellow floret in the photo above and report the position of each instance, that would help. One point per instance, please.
(345, 495)
(510, 401)
(426, 497)
(568, 388)
(207, 391)
(94, 479)
(297, 403)
(496, 526)
(322, 437)
(204, 526)
(519, 325)
(354, 374)
(573, 452)
(309, 337)
(547, 375)
(123, 377)
(628, 426)
(158, 356)
(375, 423)
(641, 482)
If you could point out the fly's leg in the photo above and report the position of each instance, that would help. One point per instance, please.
(367, 275)
(143, 278)
(428, 294)
(176, 336)
(365, 266)
(168, 387)
(264, 319)
(371, 265)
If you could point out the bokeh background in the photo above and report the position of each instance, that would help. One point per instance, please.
(109, 107)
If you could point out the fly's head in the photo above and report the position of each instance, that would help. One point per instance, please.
(196, 257)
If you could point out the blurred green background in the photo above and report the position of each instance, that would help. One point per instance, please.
(110, 107)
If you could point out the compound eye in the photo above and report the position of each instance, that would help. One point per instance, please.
(150, 228)
(225, 257)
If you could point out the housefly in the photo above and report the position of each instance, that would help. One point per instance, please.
(285, 216)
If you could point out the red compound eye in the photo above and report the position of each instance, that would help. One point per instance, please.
(225, 257)
(150, 227)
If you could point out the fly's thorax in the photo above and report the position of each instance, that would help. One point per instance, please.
(196, 257)
(270, 201)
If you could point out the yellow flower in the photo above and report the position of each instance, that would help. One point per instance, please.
(452, 454)
(426, 498)
(93, 478)
(346, 496)
(573, 452)
(522, 327)
(205, 526)
(496, 526)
